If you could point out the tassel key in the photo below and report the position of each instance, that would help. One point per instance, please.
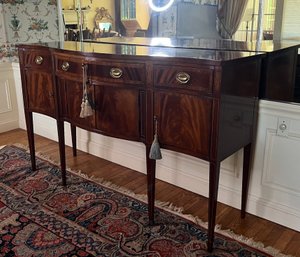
(86, 109)
(155, 152)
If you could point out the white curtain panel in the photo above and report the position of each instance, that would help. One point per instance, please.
(230, 14)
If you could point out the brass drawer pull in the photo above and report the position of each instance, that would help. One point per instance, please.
(116, 73)
(39, 60)
(183, 77)
(65, 66)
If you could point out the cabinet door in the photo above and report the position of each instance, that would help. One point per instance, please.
(120, 111)
(40, 91)
(70, 102)
(184, 122)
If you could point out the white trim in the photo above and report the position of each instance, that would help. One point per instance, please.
(61, 27)
(9, 125)
(8, 107)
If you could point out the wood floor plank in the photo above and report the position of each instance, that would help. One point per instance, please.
(271, 234)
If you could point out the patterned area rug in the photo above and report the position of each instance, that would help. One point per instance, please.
(39, 217)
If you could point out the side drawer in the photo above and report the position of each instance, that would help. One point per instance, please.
(40, 59)
(70, 68)
(196, 79)
(118, 72)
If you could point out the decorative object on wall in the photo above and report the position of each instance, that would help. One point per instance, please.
(103, 13)
(102, 16)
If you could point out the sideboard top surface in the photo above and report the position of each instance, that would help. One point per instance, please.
(114, 49)
(202, 43)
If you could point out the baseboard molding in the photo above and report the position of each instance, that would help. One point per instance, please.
(9, 125)
(178, 169)
(275, 212)
(175, 168)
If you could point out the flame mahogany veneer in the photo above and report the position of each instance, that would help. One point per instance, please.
(205, 101)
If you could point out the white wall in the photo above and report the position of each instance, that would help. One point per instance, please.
(275, 181)
(8, 101)
(290, 28)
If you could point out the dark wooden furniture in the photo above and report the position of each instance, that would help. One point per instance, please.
(297, 81)
(205, 101)
(280, 68)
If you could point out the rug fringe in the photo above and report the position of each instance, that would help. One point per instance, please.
(25, 147)
(249, 241)
(167, 206)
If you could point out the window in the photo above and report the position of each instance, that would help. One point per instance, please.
(247, 30)
(128, 10)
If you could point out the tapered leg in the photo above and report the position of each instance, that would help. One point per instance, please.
(214, 174)
(246, 173)
(30, 135)
(62, 153)
(150, 185)
(73, 135)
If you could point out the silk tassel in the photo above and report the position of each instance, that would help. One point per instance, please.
(86, 108)
(155, 152)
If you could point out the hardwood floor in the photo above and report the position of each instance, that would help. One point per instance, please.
(270, 234)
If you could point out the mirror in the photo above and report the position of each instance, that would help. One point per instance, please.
(142, 18)
(182, 19)
(185, 23)
(175, 19)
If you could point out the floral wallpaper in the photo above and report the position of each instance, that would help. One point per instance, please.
(2, 27)
(26, 21)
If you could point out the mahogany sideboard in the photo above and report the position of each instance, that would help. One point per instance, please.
(204, 101)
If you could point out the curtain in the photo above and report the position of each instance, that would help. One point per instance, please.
(230, 13)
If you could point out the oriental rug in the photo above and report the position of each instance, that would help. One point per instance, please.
(39, 217)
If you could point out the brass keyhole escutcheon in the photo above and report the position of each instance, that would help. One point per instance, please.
(39, 60)
(65, 66)
(116, 73)
(183, 77)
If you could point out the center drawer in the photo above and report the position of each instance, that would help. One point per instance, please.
(69, 67)
(118, 72)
